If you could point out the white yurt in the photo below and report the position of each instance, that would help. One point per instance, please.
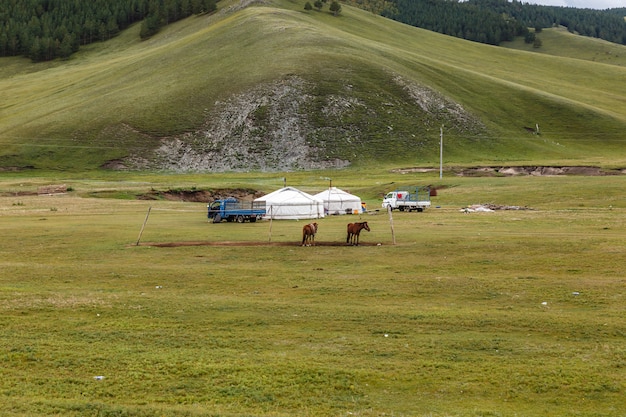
(291, 203)
(337, 201)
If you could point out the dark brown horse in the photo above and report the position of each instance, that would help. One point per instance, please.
(354, 230)
(308, 234)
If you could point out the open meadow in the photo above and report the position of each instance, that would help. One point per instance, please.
(508, 313)
(442, 313)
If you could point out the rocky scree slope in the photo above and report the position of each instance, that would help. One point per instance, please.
(291, 124)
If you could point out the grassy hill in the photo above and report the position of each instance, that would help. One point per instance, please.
(558, 41)
(269, 86)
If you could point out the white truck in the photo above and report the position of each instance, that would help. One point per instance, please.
(418, 199)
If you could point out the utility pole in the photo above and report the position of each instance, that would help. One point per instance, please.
(393, 233)
(441, 152)
(330, 186)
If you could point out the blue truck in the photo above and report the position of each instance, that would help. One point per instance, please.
(233, 210)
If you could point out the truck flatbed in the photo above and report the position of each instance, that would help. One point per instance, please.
(233, 210)
(414, 199)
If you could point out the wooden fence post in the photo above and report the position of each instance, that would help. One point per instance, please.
(393, 233)
(144, 225)
(271, 218)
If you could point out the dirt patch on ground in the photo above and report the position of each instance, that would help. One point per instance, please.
(16, 168)
(203, 196)
(474, 208)
(43, 190)
(539, 171)
(243, 243)
(522, 170)
(246, 194)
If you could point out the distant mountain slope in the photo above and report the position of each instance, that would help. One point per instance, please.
(269, 86)
(560, 42)
(496, 21)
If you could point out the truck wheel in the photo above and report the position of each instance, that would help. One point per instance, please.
(252, 219)
(401, 208)
(217, 218)
(240, 219)
(419, 209)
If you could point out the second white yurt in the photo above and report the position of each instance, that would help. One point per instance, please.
(337, 201)
(291, 203)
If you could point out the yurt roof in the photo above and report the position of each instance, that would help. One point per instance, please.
(288, 195)
(336, 194)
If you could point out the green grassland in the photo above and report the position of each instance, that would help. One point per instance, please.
(510, 313)
(124, 95)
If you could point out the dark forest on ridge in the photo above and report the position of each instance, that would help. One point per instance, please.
(48, 29)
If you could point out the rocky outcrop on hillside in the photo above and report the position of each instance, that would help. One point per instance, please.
(439, 107)
(285, 125)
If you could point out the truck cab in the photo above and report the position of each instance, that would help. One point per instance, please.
(215, 209)
(392, 198)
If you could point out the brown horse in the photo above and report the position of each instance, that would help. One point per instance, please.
(308, 234)
(354, 230)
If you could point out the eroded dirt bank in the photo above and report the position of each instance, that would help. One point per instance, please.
(505, 171)
(246, 194)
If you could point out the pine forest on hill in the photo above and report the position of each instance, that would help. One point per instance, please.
(496, 21)
(47, 29)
